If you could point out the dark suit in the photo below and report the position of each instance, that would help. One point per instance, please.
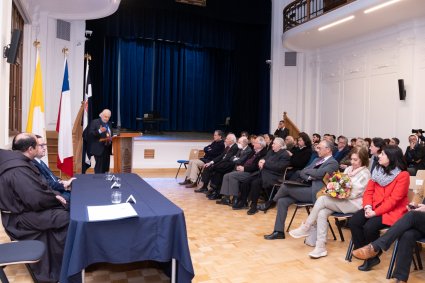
(288, 195)
(101, 150)
(51, 179)
(221, 164)
(273, 169)
(281, 133)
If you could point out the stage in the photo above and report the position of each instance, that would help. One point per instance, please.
(161, 151)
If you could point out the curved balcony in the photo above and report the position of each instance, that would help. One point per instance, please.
(301, 11)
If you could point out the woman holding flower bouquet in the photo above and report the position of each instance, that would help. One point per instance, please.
(343, 194)
(384, 201)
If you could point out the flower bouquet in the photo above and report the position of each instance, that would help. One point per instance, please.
(337, 185)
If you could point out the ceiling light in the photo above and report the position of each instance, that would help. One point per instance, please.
(337, 23)
(377, 7)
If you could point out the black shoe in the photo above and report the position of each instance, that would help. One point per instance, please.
(275, 235)
(201, 190)
(253, 210)
(369, 263)
(191, 185)
(266, 206)
(214, 196)
(224, 201)
(238, 206)
(234, 201)
(185, 182)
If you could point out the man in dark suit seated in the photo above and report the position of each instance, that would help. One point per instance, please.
(30, 209)
(271, 169)
(218, 164)
(100, 141)
(342, 149)
(242, 174)
(62, 186)
(311, 175)
(194, 167)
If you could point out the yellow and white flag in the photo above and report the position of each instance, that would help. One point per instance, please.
(36, 123)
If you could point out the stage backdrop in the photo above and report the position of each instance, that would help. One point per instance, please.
(194, 66)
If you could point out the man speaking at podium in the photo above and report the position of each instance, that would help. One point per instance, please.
(100, 141)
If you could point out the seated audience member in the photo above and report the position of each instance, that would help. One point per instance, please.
(394, 141)
(387, 141)
(359, 175)
(219, 164)
(245, 134)
(194, 167)
(384, 201)
(368, 142)
(315, 139)
(361, 142)
(271, 169)
(231, 181)
(342, 148)
(408, 229)
(300, 154)
(330, 138)
(62, 186)
(251, 140)
(290, 143)
(269, 141)
(222, 168)
(281, 131)
(289, 194)
(415, 155)
(353, 143)
(30, 209)
(375, 149)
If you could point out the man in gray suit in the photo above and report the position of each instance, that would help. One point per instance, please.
(289, 194)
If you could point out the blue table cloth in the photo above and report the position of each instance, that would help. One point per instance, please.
(158, 233)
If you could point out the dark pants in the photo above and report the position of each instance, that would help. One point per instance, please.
(102, 163)
(364, 230)
(245, 188)
(408, 229)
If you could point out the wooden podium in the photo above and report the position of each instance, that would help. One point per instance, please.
(122, 147)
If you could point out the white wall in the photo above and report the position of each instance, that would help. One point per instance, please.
(352, 88)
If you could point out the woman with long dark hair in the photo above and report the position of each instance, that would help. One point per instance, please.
(384, 201)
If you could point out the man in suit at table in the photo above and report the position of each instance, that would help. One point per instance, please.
(62, 186)
(100, 141)
(311, 175)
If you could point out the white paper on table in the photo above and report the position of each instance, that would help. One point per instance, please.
(110, 212)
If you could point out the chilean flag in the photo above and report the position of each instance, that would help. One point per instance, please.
(64, 128)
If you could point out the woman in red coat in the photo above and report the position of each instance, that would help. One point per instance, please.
(384, 201)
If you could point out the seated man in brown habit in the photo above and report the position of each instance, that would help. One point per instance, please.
(30, 209)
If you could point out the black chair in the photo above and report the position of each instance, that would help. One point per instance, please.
(417, 265)
(339, 224)
(21, 252)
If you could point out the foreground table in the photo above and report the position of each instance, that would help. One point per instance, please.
(158, 233)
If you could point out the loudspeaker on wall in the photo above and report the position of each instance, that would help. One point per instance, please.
(401, 90)
(11, 51)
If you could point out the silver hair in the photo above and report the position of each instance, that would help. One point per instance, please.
(280, 141)
(329, 144)
(105, 111)
(232, 137)
(244, 141)
(261, 141)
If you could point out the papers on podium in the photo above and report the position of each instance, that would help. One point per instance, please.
(110, 212)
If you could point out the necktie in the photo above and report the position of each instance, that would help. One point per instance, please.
(47, 169)
(319, 162)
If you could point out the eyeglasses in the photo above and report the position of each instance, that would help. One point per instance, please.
(42, 145)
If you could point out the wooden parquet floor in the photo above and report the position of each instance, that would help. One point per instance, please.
(228, 247)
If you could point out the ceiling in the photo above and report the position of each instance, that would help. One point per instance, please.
(307, 36)
(72, 9)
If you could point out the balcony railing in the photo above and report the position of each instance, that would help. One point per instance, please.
(301, 11)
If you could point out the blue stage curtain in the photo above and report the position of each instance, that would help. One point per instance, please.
(195, 66)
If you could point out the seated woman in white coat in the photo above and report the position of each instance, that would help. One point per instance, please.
(325, 205)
